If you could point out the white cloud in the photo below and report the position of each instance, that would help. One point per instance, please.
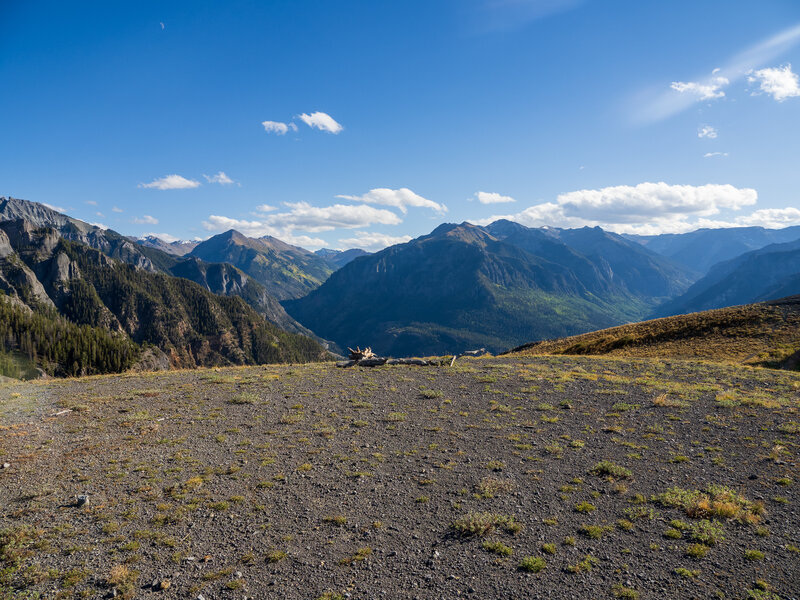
(301, 216)
(278, 127)
(99, 214)
(647, 208)
(248, 228)
(709, 89)
(54, 207)
(91, 203)
(780, 83)
(372, 241)
(706, 131)
(165, 237)
(117, 209)
(145, 220)
(713, 154)
(171, 182)
(656, 104)
(322, 121)
(220, 178)
(771, 218)
(304, 241)
(265, 208)
(401, 198)
(492, 198)
(325, 218)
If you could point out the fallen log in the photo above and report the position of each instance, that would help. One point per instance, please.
(371, 362)
(410, 361)
(478, 352)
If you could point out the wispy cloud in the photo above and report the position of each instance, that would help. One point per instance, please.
(54, 207)
(322, 121)
(117, 209)
(657, 104)
(706, 131)
(91, 203)
(401, 198)
(494, 16)
(145, 220)
(715, 154)
(171, 182)
(492, 198)
(780, 83)
(220, 178)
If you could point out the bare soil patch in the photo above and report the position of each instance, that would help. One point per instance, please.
(557, 477)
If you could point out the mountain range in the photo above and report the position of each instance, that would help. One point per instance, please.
(178, 247)
(284, 270)
(460, 287)
(464, 286)
(48, 268)
(701, 249)
(339, 258)
(218, 277)
(764, 274)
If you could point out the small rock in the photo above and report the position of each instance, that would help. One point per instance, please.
(6, 465)
(164, 585)
(82, 500)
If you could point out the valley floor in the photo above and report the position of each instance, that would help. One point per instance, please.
(514, 477)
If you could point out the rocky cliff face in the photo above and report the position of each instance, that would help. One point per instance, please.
(108, 242)
(152, 255)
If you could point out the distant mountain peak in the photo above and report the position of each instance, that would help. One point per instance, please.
(465, 232)
(286, 271)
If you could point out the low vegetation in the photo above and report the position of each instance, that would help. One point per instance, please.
(765, 334)
(344, 482)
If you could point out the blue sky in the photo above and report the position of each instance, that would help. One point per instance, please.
(360, 123)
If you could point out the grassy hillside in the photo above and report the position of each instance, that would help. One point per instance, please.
(759, 334)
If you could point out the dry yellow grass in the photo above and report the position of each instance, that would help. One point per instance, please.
(765, 334)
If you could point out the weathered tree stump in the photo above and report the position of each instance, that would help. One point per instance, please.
(359, 354)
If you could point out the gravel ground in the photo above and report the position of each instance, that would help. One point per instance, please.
(405, 482)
